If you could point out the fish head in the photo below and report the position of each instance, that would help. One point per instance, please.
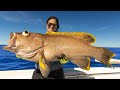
(23, 43)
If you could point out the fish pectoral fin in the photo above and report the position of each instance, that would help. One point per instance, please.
(82, 62)
(64, 60)
(44, 67)
(45, 72)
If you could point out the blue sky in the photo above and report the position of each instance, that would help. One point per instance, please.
(104, 25)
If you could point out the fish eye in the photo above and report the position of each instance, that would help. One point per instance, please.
(25, 33)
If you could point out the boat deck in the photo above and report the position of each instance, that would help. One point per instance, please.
(70, 73)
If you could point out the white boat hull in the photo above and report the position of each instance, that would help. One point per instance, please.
(100, 73)
(70, 73)
(16, 74)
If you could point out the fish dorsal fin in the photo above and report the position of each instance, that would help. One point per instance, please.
(89, 38)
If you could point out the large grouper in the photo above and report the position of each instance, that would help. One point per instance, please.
(50, 47)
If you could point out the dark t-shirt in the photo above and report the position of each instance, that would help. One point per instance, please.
(54, 65)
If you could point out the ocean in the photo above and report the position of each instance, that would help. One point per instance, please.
(8, 61)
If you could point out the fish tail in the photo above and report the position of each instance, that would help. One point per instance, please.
(104, 56)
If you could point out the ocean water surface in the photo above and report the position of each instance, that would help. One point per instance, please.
(8, 61)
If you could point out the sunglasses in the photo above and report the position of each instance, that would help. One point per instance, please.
(52, 24)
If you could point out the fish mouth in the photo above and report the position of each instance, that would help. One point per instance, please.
(11, 43)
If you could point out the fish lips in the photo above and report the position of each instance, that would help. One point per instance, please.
(11, 49)
(12, 43)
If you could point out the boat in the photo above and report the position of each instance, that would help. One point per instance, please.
(70, 72)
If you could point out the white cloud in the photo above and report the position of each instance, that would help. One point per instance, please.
(66, 27)
(8, 16)
(20, 16)
(104, 28)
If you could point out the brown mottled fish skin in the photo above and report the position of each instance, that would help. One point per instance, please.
(73, 47)
(50, 47)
